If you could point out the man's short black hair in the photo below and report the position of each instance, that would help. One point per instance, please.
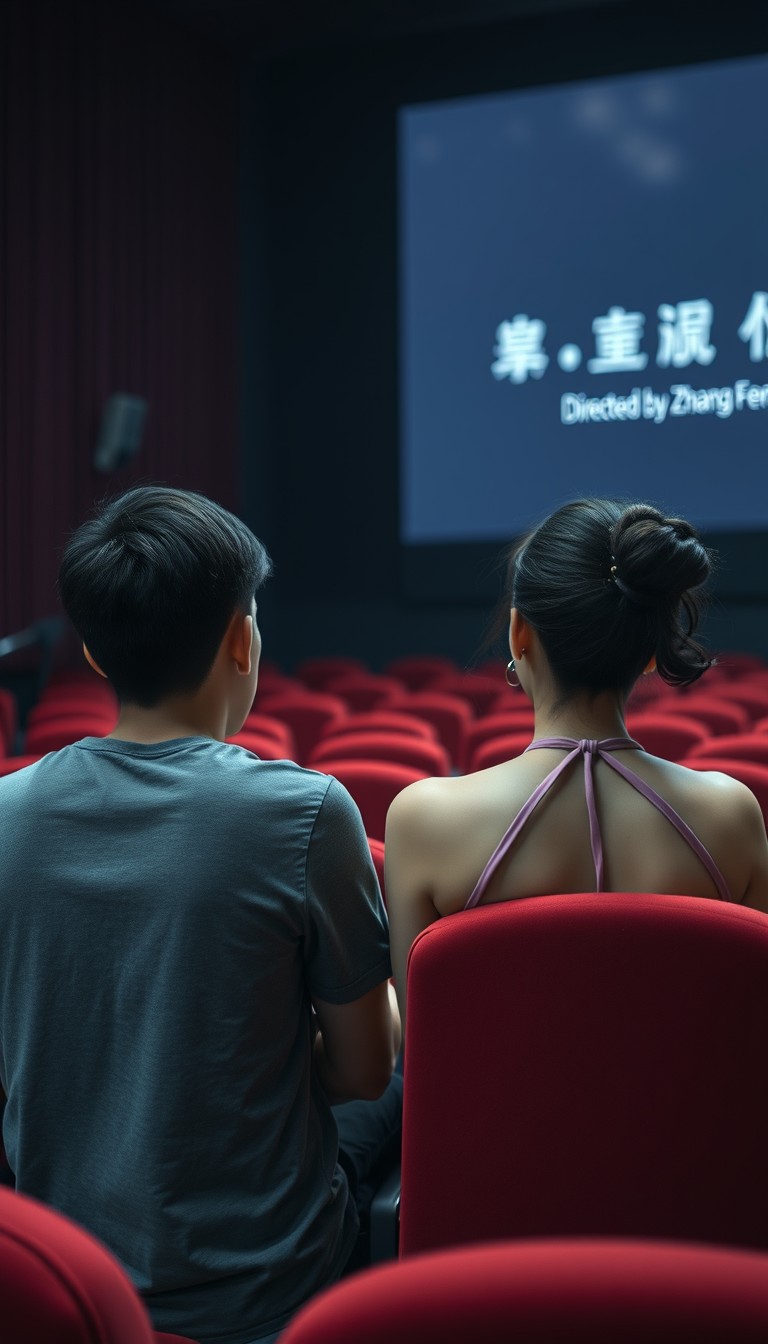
(151, 583)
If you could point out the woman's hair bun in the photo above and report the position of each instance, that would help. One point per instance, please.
(655, 556)
(608, 586)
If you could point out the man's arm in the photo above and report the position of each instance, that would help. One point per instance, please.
(357, 1045)
(347, 956)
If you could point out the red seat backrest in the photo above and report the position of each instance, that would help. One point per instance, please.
(609, 1051)
(747, 746)
(268, 726)
(307, 713)
(403, 747)
(9, 718)
(496, 750)
(519, 719)
(362, 691)
(479, 691)
(449, 713)
(667, 735)
(752, 695)
(381, 720)
(585, 1291)
(713, 712)
(315, 672)
(58, 1283)
(48, 711)
(52, 734)
(418, 670)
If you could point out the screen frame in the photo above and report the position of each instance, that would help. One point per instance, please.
(470, 572)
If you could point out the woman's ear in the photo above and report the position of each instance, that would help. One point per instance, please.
(650, 666)
(519, 634)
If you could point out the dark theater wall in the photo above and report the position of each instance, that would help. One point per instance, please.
(118, 269)
(319, 317)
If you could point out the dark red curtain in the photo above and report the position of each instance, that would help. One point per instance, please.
(118, 270)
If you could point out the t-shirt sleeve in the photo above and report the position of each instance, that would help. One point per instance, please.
(347, 933)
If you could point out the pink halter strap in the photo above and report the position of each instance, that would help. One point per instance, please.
(589, 748)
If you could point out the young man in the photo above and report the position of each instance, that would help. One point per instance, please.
(194, 949)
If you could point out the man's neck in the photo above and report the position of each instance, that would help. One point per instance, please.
(166, 722)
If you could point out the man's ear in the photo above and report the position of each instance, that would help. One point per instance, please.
(240, 641)
(93, 663)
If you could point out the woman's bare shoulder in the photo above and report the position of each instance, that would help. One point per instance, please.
(723, 812)
(448, 806)
(713, 788)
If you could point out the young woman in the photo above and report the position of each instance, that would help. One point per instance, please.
(600, 594)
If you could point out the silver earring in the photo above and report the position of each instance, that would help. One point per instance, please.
(511, 668)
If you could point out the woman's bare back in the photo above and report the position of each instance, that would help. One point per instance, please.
(642, 850)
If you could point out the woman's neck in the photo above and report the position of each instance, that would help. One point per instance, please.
(580, 716)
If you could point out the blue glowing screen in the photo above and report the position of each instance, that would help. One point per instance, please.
(584, 301)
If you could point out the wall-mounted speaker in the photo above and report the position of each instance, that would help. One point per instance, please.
(120, 432)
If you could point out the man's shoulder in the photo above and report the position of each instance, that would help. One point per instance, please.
(221, 770)
(275, 778)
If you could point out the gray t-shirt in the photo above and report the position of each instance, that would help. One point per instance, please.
(167, 913)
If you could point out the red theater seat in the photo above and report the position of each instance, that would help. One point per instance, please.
(362, 691)
(497, 725)
(9, 718)
(713, 712)
(87, 687)
(670, 736)
(59, 1285)
(48, 711)
(403, 747)
(736, 665)
(497, 750)
(316, 672)
(750, 694)
(418, 670)
(479, 691)
(749, 746)
(587, 1065)
(586, 1291)
(307, 713)
(52, 734)
(381, 721)
(450, 715)
(268, 726)
(271, 679)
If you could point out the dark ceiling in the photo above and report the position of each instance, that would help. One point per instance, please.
(272, 27)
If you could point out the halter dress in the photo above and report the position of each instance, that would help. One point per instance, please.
(589, 749)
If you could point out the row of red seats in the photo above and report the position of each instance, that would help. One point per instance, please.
(359, 689)
(431, 733)
(301, 723)
(60, 1283)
